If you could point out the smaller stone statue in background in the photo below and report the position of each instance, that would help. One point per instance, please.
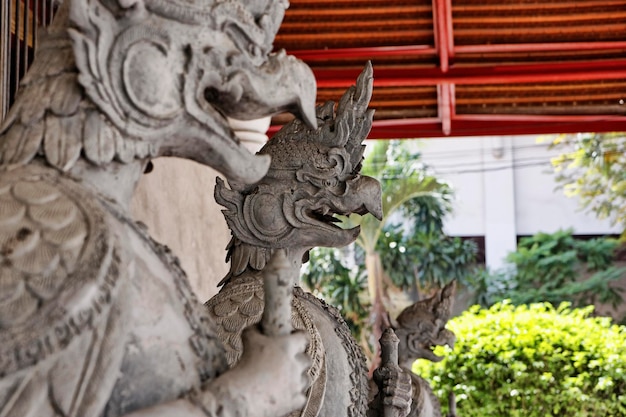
(420, 328)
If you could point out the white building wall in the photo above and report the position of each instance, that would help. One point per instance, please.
(505, 188)
(541, 206)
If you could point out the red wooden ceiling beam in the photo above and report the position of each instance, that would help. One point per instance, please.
(317, 55)
(444, 37)
(320, 55)
(444, 44)
(484, 125)
(541, 47)
(445, 106)
(495, 74)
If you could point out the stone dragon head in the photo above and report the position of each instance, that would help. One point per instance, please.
(422, 326)
(160, 76)
(313, 176)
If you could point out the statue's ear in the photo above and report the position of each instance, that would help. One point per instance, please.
(256, 218)
(148, 76)
(127, 70)
(443, 307)
(448, 290)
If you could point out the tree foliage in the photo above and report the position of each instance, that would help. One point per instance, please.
(443, 258)
(556, 267)
(410, 240)
(342, 286)
(424, 259)
(592, 167)
(532, 361)
(404, 179)
(407, 249)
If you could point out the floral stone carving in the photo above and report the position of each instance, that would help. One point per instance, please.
(314, 175)
(96, 319)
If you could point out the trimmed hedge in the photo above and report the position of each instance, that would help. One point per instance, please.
(532, 361)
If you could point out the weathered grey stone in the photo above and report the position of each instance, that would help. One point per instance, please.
(314, 175)
(96, 318)
(183, 216)
(420, 327)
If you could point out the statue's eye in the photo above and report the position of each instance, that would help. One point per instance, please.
(331, 182)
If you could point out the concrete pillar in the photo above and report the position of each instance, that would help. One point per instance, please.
(499, 192)
(176, 202)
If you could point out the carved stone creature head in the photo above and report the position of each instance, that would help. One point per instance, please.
(167, 69)
(421, 327)
(168, 72)
(313, 176)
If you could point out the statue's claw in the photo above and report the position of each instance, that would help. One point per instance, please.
(394, 396)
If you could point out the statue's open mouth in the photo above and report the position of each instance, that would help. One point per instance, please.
(327, 220)
(246, 91)
(322, 216)
(280, 83)
(444, 338)
(363, 196)
(428, 353)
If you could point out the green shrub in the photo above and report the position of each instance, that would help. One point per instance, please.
(532, 361)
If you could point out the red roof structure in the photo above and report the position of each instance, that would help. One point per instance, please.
(469, 67)
(441, 67)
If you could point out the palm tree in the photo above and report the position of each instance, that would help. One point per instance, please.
(413, 256)
(404, 178)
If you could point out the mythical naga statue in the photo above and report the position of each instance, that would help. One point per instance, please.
(314, 175)
(420, 327)
(96, 319)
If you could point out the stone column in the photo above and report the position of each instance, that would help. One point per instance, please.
(499, 189)
(176, 202)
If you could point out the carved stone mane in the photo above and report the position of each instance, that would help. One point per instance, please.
(91, 90)
(314, 174)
